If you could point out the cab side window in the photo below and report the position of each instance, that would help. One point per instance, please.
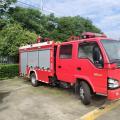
(66, 51)
(92, 52)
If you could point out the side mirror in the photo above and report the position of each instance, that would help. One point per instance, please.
(113, 65)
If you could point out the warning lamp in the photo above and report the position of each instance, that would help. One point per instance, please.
(39, 39)
(92, 35)
(46, 39)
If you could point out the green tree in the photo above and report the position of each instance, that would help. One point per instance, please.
(3, 23)
(67, 26)
(19, 26)
(57, 28)
(5, 5)
(12, 37)
(29, 18)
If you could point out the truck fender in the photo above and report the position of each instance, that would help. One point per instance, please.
(87, 80)
(34, 72)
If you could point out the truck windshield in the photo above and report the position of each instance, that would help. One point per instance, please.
(112, 48)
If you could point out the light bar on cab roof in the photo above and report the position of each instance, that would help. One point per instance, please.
(92, 35)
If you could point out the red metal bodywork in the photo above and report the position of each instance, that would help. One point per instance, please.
(95, 77)
(114, 94)
(89, 72)
(41, 74)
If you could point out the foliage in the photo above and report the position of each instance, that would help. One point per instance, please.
(68, 26)
(5, 5)
(20, 26)
(28, 18)
(51, 26)
(3, 23)
(12, 37)
(8, 71)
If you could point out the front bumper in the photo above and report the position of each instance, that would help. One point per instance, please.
(114, 94)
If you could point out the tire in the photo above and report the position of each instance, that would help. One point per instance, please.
(34, 82)
(85, 93)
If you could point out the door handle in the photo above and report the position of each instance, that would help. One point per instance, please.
(79, 68)
(59, 66)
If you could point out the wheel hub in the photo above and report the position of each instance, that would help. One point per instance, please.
(33, 80)
(81, 92)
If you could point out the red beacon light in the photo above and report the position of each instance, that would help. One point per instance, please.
(86, 35)
(39, 39)
(92, 35)
(46, 39)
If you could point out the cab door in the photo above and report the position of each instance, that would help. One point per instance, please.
(65, 62)
(91, 63)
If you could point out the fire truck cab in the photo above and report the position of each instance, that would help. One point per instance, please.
(91, 65)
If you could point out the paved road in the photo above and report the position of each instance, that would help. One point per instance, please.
(111, 115)
(20, 101)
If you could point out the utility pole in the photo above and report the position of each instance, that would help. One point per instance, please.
(41, 5)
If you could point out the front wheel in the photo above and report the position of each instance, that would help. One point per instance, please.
(85, 93)
(34, 82)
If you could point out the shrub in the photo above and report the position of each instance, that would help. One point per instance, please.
(8, 71)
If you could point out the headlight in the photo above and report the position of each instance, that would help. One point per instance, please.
(113, 83)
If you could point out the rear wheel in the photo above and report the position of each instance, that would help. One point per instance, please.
(85, 93)
(34, 82)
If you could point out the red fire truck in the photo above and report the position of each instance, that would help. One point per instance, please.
(90, 64)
